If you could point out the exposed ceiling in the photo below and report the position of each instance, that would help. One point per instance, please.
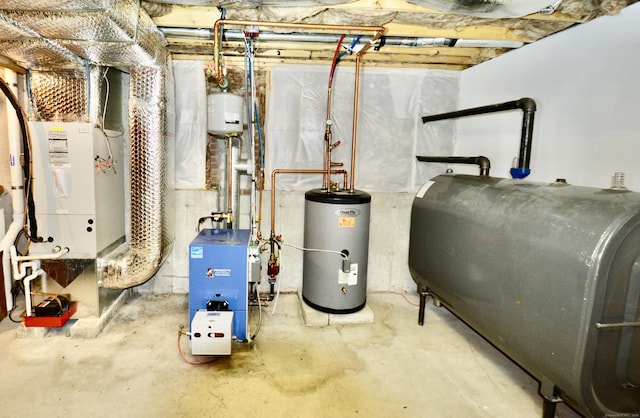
(456, 35)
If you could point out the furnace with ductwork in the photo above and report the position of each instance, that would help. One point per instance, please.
(79, 199)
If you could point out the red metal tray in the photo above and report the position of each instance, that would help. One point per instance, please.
(51, 321)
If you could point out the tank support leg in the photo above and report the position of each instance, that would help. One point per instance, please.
(423, 301)
(548, 408)
(550, 398)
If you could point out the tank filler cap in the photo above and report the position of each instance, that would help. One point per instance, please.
(519, 173)
(617, 181)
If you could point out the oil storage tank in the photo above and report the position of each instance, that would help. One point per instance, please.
(548, 273)
(336, 236)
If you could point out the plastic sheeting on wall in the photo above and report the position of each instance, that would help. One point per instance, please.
(190, 125)
(390, 132)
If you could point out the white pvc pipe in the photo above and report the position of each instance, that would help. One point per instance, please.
(27, 288)
(22, 264)
(17, 185)
(56, 253)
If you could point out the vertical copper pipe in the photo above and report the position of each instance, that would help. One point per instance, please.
(356, 91)
(327, 136)
(354, 130)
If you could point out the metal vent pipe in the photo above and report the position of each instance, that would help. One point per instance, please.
(332, 38)
(481, 161)
(329, 38)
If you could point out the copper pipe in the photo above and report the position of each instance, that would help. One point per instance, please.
(356, 92)
(378, 32)
(354, 130)
(293, 171)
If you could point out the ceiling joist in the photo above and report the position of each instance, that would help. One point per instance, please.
(400, 18)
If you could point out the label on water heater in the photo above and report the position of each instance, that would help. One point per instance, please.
(350, 278)
(353, 275)
(347, 217)
(346, 222)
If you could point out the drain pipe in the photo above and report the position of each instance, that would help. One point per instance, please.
(481, 161)
(528, 107)
(17, 187)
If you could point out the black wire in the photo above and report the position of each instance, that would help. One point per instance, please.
(259, 305)
(15, 291)
(26, 167)
(11, 317)
(16, 241)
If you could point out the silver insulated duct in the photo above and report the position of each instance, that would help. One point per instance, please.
(147, 172)
(48, 34)
(62, 42)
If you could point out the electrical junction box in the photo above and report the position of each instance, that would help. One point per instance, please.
(211, 332)
(218, 260)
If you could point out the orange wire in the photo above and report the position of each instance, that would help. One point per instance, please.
(186, 360)
(397, 293)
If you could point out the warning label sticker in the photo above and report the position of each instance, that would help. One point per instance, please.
(58, 147)
(346, 222)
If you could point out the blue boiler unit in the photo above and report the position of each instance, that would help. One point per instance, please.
(218, 276)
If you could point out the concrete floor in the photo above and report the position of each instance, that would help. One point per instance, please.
(391, 368)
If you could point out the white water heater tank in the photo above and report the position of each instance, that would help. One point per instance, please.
(224, 114)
